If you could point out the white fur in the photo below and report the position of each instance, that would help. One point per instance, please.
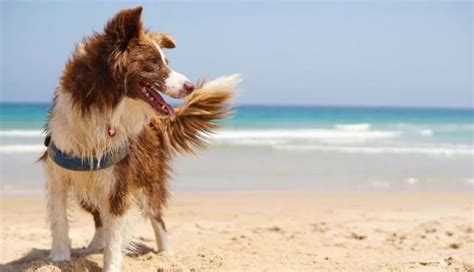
(114, 240)
(86, 136)
(98, 241)
(80, 49)
(174, 83)
(57, 206)
(229, 82)
(162, 240)
(163, 57)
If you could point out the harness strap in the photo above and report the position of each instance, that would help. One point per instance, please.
(86, 164)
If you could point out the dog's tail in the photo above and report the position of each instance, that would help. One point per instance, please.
(198, 116)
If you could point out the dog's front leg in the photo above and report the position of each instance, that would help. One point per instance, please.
(114, 219)
(57, 191)
(114, 231)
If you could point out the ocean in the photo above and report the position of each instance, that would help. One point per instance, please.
(287, 147)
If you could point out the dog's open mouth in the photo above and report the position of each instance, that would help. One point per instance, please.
(151, 95)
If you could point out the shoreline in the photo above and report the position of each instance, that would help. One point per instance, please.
(268, 230)
(230, 168)
(330, 192)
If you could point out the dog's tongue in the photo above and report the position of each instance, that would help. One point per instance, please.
(170, 110)
(160, 104)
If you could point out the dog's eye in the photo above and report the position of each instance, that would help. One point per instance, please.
(167, 62)
(148, 68)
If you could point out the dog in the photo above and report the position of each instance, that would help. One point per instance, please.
(111, 135)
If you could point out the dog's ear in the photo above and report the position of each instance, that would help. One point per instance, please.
(125, 26)
(163, 40)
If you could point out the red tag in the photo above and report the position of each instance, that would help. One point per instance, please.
(111, 132)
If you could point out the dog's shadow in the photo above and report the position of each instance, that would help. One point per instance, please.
(37, 260)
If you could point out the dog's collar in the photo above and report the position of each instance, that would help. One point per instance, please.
(71, 162)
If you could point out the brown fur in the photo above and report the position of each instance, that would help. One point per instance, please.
(100, 88)
(95, 213)
(94, 79)
(112, 64)
(164, 40)
(163, 137)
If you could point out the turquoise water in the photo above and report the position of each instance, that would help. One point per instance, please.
(32, 116)
(22, 116)
(283, 147)
(442, 126)
(447, 125)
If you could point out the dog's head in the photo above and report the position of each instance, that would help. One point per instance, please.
(124, 61)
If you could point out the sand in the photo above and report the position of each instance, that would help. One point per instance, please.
(267, 231)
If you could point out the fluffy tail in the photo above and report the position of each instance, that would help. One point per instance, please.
(198, 116)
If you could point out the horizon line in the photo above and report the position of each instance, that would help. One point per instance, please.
(292, 105)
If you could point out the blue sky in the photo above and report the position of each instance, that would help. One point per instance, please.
(322, 53)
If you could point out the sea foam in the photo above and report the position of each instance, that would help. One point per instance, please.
(434, 151)
(8, 149)
(353, 127)
(320, 135)
(21, 133)
(426, 132)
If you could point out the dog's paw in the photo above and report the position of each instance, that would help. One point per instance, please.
(97, 243)
(90, 250)
(167, 252)
(60, 255)
(163, 244)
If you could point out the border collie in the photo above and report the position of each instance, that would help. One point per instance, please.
(111, 134)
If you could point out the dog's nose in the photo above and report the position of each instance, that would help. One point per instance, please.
(188, 87)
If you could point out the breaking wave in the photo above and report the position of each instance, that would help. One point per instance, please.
(343, 138)
(21, 133)
(353, 127)
(330, 136)
(8, 149)
(445, 151)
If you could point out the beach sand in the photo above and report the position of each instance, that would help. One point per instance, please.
(267, 231)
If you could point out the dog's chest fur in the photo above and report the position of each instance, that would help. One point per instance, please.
(87, 136)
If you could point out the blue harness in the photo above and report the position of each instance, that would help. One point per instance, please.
(86, 164)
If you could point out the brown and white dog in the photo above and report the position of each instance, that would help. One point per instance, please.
(109, 97)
